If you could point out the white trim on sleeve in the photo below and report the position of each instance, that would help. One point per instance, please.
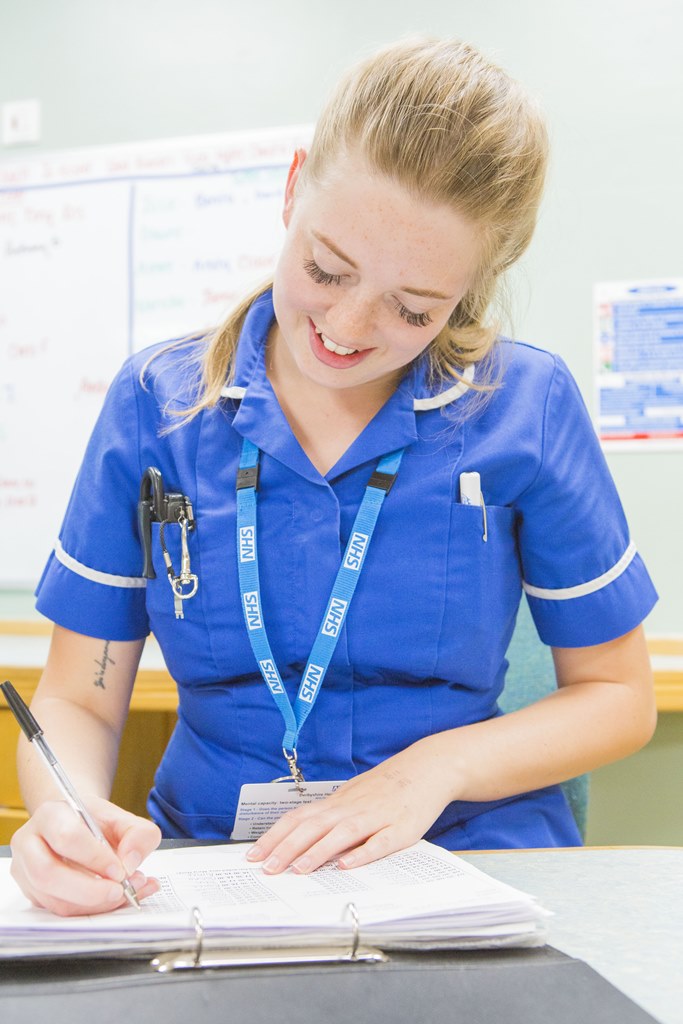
(566, 593)
(107, 578)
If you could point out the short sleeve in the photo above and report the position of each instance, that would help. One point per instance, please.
(583, 577)
(92, 583)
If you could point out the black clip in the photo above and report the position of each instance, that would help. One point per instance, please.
(156, 506)
(248, 477)
(382, 481)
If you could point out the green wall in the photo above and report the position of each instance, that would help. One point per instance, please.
(610, 77)
(639, 801)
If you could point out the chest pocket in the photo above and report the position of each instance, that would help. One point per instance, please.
(482, 593)
(396, 618)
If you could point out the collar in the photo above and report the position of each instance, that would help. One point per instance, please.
(261, 419)
(250, 354)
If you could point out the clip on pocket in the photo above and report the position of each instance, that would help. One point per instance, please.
(156, 506)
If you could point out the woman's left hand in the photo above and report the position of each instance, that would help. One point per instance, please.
(379, 812)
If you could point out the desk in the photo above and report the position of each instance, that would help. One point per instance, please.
(619, 910)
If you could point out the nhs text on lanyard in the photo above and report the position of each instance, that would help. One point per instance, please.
(330, 628)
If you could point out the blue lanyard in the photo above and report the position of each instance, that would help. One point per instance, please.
(343, 589)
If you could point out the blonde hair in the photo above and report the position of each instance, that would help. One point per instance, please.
(451, 127)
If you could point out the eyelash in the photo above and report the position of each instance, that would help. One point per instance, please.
(414, 319)
(321, 277)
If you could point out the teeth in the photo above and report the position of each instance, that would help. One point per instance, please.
(331, 347)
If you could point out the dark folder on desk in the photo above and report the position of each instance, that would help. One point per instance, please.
(532, 986)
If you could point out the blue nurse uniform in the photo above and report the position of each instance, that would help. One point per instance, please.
(423, 646)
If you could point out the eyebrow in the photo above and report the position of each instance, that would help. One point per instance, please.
(333, 248)
(428, 293)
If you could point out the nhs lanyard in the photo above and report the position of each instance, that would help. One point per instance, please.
(343, 589)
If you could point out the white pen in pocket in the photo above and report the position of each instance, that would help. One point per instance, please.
(470, 494)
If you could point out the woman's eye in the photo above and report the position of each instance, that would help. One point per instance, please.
(414, 319)
(319, 275)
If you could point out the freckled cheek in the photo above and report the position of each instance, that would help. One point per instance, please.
(294, 290)
(407, 352)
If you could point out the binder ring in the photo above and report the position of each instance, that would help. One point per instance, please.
(230, 957)
(199, 936)
(352, 910)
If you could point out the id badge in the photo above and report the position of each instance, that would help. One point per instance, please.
(261, 804)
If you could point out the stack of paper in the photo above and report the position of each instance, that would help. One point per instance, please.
(420, 898)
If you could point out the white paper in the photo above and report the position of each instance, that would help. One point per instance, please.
(422, 897)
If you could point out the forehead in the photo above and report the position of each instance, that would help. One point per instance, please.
(372, 218)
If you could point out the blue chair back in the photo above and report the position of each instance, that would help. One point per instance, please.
(532, 675)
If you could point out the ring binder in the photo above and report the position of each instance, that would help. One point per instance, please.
(199, 957)
(355, 925)
(199, 935)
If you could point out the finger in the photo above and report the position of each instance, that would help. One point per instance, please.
(65, 880)
(137, 838)
(150, 887)
(316, 842)
(63, 887)
(68, 837)
(277, 833)
(143, 886)
(379, 845)
(132, 838)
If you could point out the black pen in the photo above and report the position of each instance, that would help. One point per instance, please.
(34, 734)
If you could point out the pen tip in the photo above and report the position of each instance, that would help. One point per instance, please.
(130, 894)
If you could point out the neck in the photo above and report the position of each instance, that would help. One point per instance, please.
(325, 421)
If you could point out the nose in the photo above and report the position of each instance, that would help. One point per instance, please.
(350, 319)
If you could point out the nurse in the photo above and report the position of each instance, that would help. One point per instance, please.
(375, 478)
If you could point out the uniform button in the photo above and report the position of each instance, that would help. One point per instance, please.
(317, 515)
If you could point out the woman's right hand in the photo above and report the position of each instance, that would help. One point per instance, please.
(60, 866)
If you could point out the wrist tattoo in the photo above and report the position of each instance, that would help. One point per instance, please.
(102, 665)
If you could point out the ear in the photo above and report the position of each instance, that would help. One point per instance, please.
(290, 187)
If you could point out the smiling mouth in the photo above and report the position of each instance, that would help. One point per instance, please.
(330, 345)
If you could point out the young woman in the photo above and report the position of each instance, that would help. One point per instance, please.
(374, 477)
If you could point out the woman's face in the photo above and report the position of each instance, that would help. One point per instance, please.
(368, 276)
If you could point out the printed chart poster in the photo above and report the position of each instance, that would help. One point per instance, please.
(639, 364)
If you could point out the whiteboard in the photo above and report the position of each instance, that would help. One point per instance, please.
(104, 251)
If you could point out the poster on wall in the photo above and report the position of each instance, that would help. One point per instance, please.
(639, 364)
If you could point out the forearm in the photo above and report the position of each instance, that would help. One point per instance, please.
(81, 704)
(559, 737)
(86, 747)
(604, 710)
